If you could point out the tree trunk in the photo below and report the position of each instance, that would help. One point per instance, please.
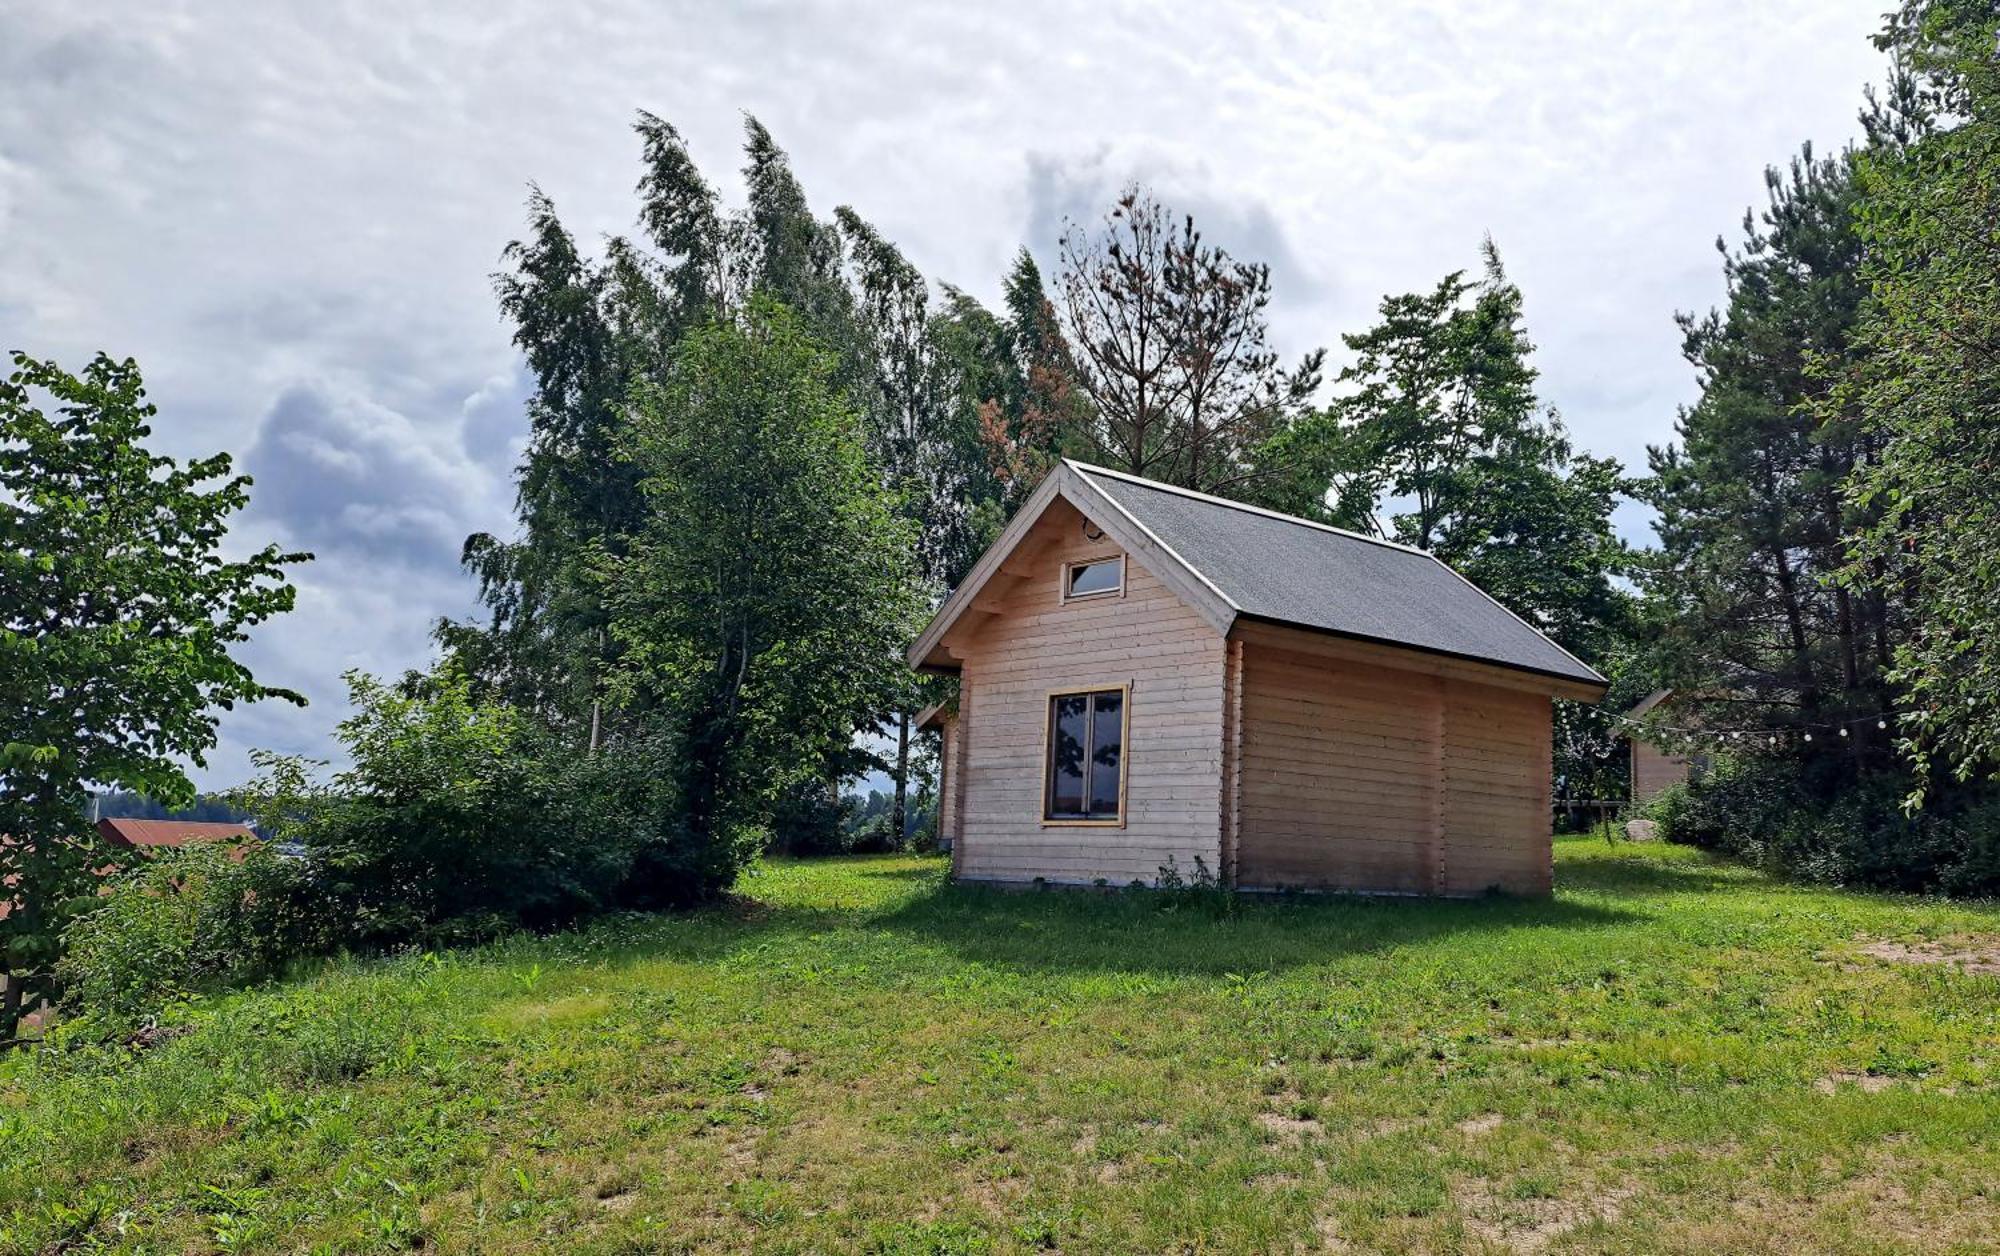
(898, 814)
(10, 1005)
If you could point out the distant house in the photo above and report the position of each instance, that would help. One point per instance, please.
(133, 834)
(1653, 766)
(1150, 676)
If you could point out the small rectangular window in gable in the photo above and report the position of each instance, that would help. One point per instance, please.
(1097, 577)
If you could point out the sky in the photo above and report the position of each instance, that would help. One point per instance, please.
(289, 213)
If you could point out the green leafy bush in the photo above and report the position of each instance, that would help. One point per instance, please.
(1837, 830)
(184, 921)
(461, 819)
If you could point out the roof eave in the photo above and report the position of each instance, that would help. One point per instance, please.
(1561, 684)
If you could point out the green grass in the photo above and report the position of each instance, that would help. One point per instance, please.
(1672, 1054)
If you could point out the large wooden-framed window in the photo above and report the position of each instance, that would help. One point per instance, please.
(1084, 764)
(1094, 577)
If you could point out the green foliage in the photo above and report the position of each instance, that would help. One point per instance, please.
(184, 921)
(1930, 390)
(1825, 828)
(459, 818)
(763, 610)
(813, 819)
(600, 333)
(118, 617)
(1443, 415)
(1018, 366)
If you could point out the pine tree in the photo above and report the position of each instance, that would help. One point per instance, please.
(1754, 524)
(1169, 339)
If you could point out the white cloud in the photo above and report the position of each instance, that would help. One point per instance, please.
(289, 213)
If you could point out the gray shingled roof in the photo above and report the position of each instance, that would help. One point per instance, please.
(1286, 570)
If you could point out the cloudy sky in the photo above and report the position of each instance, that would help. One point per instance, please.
(288, 213)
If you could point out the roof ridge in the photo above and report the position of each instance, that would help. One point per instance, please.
(1247, 508)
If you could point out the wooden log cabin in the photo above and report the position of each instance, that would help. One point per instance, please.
(1654, 766)
(1151, 677)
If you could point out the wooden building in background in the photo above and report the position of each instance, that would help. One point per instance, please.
(1151, 677)
(1653, 766)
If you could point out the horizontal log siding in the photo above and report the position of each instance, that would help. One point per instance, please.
(1339, 787)
(1364, 777)
(1035, 643)
(1496, 797)
(950, 769)
(1653, 769)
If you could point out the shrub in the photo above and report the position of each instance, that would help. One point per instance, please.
(184, 921)
(626, 834)
(459, 820)
(1836, 829)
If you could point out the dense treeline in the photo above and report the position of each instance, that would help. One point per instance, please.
(1826, 598)
(122, 804)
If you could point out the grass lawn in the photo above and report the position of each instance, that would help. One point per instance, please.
(1672, 1054)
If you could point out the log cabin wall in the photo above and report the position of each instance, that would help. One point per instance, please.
(1359, 775)
(1030, 642)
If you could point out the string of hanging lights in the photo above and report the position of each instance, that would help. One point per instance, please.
(1771, 736)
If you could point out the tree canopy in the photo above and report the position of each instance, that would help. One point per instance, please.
(764, 605)
(120, 616)
(1928, 389)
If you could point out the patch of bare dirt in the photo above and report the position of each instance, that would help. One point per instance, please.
(1870, 1083)
(1288, 1128)
(1281, 1120)
(1970, 954)
(1385, 1127)
(997, 1196)
(1875, 1202)
(1328, 1231)
(149, 1036)
(1484, 1123)
(1531, 1225)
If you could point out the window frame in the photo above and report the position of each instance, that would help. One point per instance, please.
(1117, 590)
(1124, 692)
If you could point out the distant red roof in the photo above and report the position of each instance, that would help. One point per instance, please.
(142, 834)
